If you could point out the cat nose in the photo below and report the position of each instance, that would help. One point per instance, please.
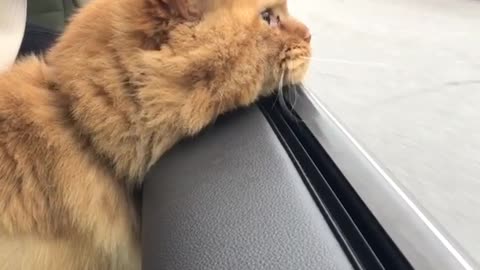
(295, 27)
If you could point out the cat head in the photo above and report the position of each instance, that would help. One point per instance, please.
(140, 74)
(188, 59)
(217, 42)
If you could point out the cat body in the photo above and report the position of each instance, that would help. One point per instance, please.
(128, 79)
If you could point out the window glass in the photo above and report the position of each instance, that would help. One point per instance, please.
(403, 76)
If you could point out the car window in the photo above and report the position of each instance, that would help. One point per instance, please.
(403, 77)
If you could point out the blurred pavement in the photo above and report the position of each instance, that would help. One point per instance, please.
(404, 77)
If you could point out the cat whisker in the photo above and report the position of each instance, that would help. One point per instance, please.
(281, 93)
(276, 100)
(282, 99)
(293, 90)
(349, 62)
(318, 71)
(280, 86)
(295, 96)
(282, 78)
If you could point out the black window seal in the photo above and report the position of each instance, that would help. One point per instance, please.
(334, 197)
(422, 243)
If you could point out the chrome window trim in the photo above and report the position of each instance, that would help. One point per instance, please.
(422, 242)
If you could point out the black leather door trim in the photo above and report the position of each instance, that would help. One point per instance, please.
(232, 199)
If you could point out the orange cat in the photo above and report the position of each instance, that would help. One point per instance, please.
(129, 78)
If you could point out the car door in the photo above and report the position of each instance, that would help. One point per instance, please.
(260, 189)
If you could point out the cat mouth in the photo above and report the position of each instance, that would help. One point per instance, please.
(295, 65)
(294, 71)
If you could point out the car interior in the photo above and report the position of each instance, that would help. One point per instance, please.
(261, 188)
(246, 194)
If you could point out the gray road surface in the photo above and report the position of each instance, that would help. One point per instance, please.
(404, 78)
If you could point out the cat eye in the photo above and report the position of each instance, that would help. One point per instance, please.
(269, 17)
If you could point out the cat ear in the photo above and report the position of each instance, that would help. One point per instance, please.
(185, 9)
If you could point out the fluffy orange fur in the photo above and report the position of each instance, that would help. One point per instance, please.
(80, 126)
